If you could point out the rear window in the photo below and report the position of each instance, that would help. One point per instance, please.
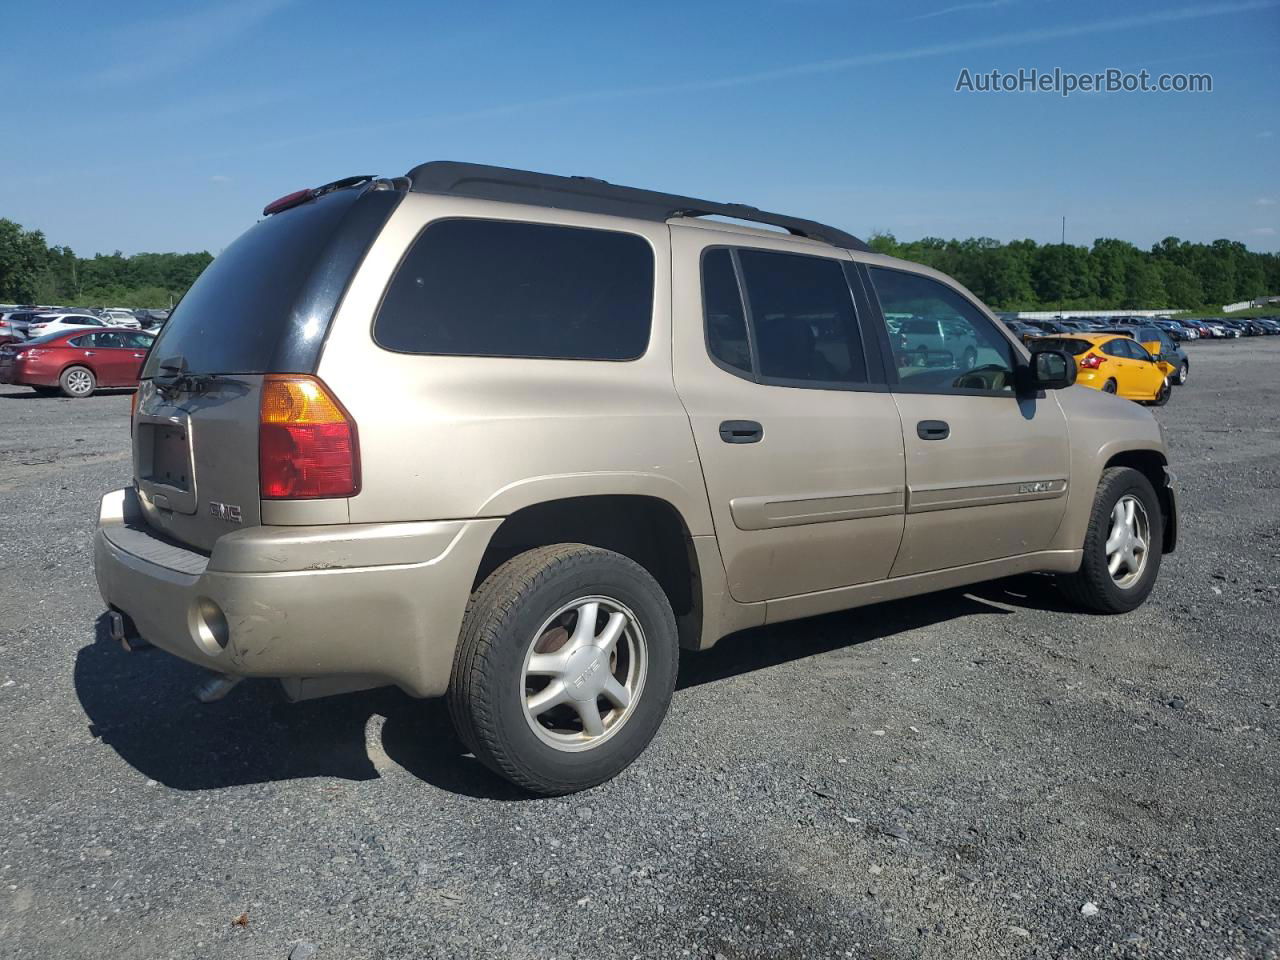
(265, 302)
(1066, 344)
(495, 288)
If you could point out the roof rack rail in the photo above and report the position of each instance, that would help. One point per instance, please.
(590, 195)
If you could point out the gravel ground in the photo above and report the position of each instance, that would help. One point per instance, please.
(985, 774)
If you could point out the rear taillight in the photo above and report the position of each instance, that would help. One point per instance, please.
(1091, 362)
(307, 445)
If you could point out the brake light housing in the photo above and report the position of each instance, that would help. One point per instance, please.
(1091, 362)
(308, 448)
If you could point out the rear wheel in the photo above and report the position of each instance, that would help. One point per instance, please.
(77, 382)
(565, 667)
(1184, 373)
(1122, 545)
(970, 358)
(1109, 387)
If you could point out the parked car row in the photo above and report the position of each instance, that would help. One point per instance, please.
(20, 323)
(1180, 328)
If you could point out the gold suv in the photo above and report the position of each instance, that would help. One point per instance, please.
(515, 439)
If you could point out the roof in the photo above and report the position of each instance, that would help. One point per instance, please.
(1094, 338)
(590, 195)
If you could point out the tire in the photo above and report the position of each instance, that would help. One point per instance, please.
(1184, 373)
(535, 600)
(77, 383)
(1162, 395)
(970, 359)
(1094, 586)
(1109, 387)
(922, 356)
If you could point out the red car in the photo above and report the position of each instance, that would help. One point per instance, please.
(76, 362)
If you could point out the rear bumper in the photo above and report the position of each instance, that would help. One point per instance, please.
(382, 602)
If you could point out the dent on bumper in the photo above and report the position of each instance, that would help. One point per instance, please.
(374, 600)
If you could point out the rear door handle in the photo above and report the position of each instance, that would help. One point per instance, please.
(741, 431)
(933, 430)
(88, 353)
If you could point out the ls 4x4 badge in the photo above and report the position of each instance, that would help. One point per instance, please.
(225, 511)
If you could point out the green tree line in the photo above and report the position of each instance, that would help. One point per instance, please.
(31, 271)
(1111, 274)
(1020, 275)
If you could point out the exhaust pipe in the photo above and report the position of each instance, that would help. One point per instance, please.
(124, 633)
(215, 686)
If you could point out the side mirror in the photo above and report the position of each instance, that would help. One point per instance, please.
(1052, 370)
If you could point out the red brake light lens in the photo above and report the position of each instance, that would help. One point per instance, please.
(287, 201)
(307, 443)
(1091, 362)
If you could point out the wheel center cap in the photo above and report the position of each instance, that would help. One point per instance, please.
(585, 673)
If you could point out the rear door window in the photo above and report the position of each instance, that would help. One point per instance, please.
(497, 288)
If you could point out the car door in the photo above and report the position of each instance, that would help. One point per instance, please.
(1149, 373)
(987, 466)
(137, 345)
(798, 438)
(111, 360)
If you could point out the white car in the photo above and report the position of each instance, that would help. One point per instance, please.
(47, 323)
(120, 317)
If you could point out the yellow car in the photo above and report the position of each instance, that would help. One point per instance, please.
(1113, 363)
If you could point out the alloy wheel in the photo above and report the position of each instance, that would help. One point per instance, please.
(1127, 541)
(584, 673)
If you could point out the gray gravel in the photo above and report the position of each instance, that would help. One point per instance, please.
(982, 774)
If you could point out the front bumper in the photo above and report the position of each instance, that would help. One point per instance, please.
(379, 602)
(1169, 503)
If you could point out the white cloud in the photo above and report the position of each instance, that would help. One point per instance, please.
(1266, 134)
(1263, 231)
(147, 48)
(219, 178)
(963, 8)
(1265, 202)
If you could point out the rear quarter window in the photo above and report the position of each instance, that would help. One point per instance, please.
(496, 288)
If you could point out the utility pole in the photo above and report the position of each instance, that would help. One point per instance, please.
(1064, 231)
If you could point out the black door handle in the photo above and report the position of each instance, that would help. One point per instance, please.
(741, 431)
(933, 430)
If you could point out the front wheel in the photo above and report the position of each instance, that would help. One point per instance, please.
(970, 358)
(1162, 395)
(1122, 545)
(565, 667)
(77, 382)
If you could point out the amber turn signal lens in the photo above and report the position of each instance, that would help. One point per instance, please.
(307, 447)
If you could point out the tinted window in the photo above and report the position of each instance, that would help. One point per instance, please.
(108, 340)
(967, 354)
(722, 311)
(495, 288)
(1116, 348)
(138, 341)
(802, 318)
(84, 341)
(258, 294)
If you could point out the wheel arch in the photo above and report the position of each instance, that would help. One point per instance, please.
(1153, 465)
(647, 529)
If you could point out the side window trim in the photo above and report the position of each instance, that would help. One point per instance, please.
(886, 348)
(876, 380)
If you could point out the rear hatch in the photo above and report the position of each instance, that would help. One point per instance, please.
(263, 306)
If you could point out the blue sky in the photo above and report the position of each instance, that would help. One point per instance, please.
(162, 126)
